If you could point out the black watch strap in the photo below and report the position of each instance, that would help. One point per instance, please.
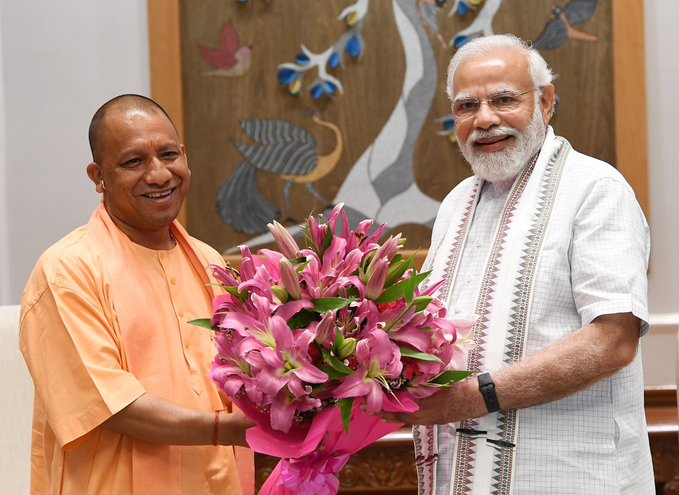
(487, 389)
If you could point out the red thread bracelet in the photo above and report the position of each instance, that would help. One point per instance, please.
(215, 432)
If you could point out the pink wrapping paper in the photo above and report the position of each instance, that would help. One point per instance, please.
(311, 457)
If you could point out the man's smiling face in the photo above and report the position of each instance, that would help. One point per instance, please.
(144, 171)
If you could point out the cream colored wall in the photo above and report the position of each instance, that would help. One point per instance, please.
(60, 62)
(662, 82)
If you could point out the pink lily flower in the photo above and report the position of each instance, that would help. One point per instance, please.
(317, 233)
(284, 240)
(366, 318)
(350, 263)
(379, 359)
(326, 330)
(231, 370)
(334, 255)
(377, 278)
(284, 406)
(223, 275)
(366, 240)
(284, 370)
(289, 279)
(284, 359)
(271, 260)
(259, 283)
(387, 250)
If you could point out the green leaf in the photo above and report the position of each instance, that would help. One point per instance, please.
(412, 283)
(221, 286)
(234, 292)
(422, 356)
(336, 364)
(361, 272)
(346, 406)
(449, 376)
(421, 303)
(339, 339)
(331, 372)
(302, 318)
(204, 323)
(300, 264)
(325, 304)
(403, 289)
(397, 269)
(393, 293)
(352, 292)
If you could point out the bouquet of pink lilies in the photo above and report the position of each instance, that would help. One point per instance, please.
(314, 342)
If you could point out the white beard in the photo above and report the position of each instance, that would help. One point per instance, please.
(504, 165)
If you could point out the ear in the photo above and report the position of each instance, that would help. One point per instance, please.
(547, 102)
(186, 158)
(95, 175)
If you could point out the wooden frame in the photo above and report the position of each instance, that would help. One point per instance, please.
(629, 63)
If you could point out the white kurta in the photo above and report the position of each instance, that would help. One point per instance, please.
(593, 262)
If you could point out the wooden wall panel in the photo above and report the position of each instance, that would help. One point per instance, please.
(600, 84)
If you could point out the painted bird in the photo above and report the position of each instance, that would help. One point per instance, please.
(282, 149)
(560, 28)
(230, 59)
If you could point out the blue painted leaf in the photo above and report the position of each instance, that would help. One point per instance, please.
(460, 41)
(302, 59)
(354, 47)
(329, 87)
(463, 9)
(286, 76)
(333, 61)
(316, 91)
(448, 125)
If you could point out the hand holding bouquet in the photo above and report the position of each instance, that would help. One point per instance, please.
(313, 342)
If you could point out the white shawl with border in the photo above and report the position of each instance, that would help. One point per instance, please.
(484, 454)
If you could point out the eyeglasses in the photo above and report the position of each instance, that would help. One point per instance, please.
(501, 103)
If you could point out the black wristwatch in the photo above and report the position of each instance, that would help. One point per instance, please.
(487, 389)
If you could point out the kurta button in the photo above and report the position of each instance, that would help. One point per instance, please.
(173, 281)
(181, 313)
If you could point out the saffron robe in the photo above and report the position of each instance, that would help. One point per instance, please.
(103, 321)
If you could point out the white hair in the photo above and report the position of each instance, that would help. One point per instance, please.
(540, 72)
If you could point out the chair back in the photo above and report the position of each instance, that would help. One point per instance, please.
(16, 408)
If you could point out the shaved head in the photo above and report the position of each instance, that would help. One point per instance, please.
(119, 103)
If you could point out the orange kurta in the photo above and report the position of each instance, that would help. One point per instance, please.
(103, 321)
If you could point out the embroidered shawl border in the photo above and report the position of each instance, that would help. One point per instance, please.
(505, 422)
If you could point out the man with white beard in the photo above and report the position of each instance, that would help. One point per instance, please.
(548, 249)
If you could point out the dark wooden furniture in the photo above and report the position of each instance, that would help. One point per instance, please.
(661, 415)
(387, 467)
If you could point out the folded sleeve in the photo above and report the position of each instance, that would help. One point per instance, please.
(610, 252)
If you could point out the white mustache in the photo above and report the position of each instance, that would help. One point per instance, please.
(491, 133)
